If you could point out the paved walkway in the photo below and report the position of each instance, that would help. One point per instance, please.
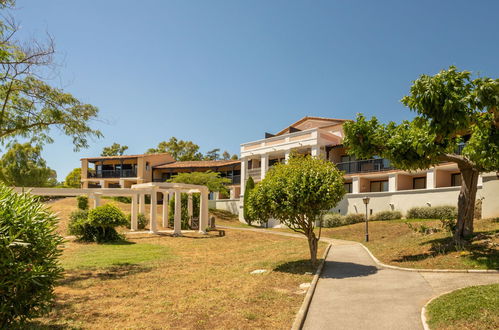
(354, 293)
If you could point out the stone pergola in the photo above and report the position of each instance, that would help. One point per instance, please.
(169, 189)
(138, 192)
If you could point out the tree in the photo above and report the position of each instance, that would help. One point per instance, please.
(452, 110)
(23, 166)
(234, 157)
(250, 185)
(226, 155)
(212, 154)
(73, 179)
(212, 180)
(29, 251)
(180, 150)
(297, 194)
(115, 149)
(29, 107)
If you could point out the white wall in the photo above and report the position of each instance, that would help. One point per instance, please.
(401, 200)
(231, 205)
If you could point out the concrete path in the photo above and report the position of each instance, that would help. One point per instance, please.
(353, 293)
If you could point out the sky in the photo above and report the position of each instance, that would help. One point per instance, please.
(222, 73)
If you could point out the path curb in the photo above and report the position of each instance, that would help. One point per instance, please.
(423, 310)
(484, 271)
(302, 313)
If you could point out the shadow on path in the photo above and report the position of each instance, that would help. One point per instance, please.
(338, 269)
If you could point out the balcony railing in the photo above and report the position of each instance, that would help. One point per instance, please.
(364, 166)
(103, 174)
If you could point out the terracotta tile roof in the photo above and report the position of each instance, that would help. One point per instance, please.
(124, 156)
(200, 164)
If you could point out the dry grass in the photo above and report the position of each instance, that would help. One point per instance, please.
(200, 282)
(393, 242)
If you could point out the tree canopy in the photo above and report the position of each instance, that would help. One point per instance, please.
(453, 109)
(23, 166)
(73, 179)
(212, 180)
(297, 194)
(180, 150)
(29, 107)
(115, 149)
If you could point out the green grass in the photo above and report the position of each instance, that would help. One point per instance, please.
(475, 307)
(107, 255)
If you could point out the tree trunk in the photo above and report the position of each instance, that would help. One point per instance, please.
(312, 244)
(466, 203)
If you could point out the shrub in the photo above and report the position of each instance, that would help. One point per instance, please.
(29, 248)
(331, 220)
(82, 202)
(99, 225)
(122, 199)
(141, 221)
(387, 215)
(354, 218)
(434, 212)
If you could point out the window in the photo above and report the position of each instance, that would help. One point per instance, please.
(348, 187)
(419, 183)
(147, 166)
(455, 179)
(377, 186)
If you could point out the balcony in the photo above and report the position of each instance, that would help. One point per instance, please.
(365, 166)
(105, 174)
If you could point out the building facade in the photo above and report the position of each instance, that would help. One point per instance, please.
(388, 187)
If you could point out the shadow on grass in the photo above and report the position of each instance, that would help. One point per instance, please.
(299, 267)
(479, 250)
(110, 273)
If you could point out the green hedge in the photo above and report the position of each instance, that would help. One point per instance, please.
(336, 220)
(142, 221)
(433, 212)
(387, 215)
(82, 202)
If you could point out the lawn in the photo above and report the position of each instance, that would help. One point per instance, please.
(159, 281)
(474, 307)
(393, 242)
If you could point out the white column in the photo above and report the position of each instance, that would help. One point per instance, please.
(189, 206)
(203, 212)
(264, 165)
(102, 183)
(244, 169)
(122, 183)
(165, 209)
(134, 223)
(355, 185)
(142, 203)
(315, 151)
(152, 218)
(392, 182)
(232, 192)
(430, 178)
(480, 181)
(286, 156)
(97, 199)
(177, 218)
(216, 195)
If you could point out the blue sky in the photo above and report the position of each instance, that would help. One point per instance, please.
(221, 73)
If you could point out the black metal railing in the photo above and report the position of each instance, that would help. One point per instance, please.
(113, 174)
(364, 166)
